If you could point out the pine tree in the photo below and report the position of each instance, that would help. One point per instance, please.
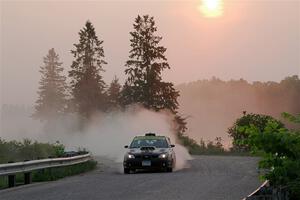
(114, 94)
(146, 62)
(88, 87)
(51, 101)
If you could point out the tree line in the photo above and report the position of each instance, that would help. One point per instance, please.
(213, 101)
(87, 92)
(268, 97)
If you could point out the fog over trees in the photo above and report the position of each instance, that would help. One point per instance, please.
(52, 98)
(114, 95)
(90, 95)
(203, 109)
(213, 105)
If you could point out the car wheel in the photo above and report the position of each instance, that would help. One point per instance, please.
(126, 170)
(169, 169)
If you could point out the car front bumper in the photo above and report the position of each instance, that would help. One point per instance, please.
(156, 163)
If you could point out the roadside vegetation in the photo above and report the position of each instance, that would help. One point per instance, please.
(14, 151)
(209, 147)
(239, 136)
(278, 146)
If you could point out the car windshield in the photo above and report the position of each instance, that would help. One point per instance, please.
(145, 142)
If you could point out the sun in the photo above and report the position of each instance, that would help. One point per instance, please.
(211, 8)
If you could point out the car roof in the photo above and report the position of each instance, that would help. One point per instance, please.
(149, 137)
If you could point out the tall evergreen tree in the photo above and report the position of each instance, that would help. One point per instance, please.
(51, 101)
(146, 62)
(144, 68)
(88, 87)
(114, 94)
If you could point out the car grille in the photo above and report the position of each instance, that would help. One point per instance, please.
(146, 156)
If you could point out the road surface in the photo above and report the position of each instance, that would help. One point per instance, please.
(207, 178)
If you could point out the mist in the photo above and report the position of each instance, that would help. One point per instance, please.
(105, 134)
(212, 105)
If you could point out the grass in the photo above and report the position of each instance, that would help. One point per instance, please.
(52, 174)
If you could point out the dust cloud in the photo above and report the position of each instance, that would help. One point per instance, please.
(105, 134)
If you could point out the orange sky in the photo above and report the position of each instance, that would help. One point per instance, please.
(254, 40)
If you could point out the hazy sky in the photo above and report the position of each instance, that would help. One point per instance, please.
(254, 40)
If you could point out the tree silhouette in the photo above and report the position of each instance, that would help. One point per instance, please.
(51, 101)
(146, 62)
(88, 87)
(114, 94)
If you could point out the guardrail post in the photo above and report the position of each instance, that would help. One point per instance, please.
(27, 178)
(12, 180)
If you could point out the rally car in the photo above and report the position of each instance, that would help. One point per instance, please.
(149, 152)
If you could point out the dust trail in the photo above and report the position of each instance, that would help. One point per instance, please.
(104, 135)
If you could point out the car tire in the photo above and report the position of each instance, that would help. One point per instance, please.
(169, 169)
(126, 170)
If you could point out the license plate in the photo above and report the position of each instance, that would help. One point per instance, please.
(146, 163)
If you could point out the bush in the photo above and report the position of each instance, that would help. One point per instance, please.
(13, 151)
(209, 147)
(281, 152)
(239, 135)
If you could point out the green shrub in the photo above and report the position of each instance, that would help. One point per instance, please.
(14, 151)
(239, 135)
(281, 152)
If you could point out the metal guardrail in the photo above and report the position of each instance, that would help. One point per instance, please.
(254, 194)
(26, 167)
(266, 192)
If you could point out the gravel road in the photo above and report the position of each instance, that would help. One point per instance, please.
(207, 178)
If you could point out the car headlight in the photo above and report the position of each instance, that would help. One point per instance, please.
(164, 155)
(130, 156)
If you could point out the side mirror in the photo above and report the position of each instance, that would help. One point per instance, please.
(172, 145)
(126, 146)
